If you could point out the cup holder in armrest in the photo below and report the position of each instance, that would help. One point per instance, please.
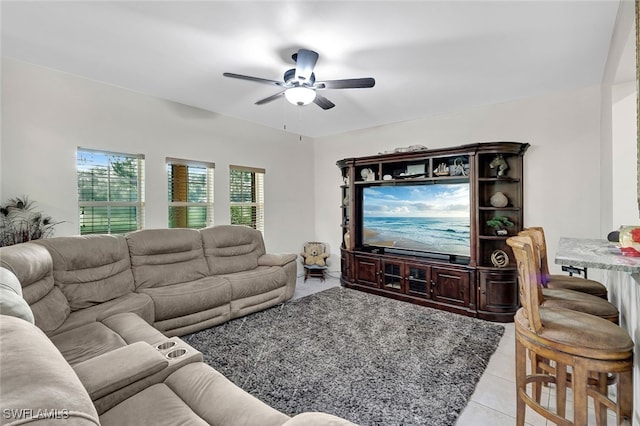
(177, 353)
(166, 345)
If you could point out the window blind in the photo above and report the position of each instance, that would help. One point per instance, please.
(110, 192)
(190, 191)
(246, 192)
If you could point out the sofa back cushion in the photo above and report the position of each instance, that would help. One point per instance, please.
(161, 257)
(33, 266)
(11, 301)
(232, 248)
(37, 381)
(91, 269)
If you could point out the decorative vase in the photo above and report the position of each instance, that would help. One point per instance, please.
(501, 232)
(347, 239)
(499, 200)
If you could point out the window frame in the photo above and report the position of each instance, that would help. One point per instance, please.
(140, 189)
(209, 189)
(258, 199)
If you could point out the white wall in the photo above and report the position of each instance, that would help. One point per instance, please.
(619, 131)
(624, 203)
(47, 114)
(562, 172)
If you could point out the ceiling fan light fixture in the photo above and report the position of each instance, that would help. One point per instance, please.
(300, 95)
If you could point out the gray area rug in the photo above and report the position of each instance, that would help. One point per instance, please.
(366, 358)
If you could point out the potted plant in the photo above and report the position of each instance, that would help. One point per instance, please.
(499, 224)
(20, 222)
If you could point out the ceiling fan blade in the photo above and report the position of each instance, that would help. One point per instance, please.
(248, 77)
(305, 62)
(270, 98)
(323, 102)
(350, 83)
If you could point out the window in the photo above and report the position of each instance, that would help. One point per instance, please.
(246, 193)
(110, 192)
(190, 193)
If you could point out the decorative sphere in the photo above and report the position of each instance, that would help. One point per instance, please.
(499, 258)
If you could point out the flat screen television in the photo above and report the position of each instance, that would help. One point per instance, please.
(419, 218)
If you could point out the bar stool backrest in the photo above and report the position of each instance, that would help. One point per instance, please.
(537, 234)
(530, 291)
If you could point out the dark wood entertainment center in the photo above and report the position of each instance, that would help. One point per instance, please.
(483, 284)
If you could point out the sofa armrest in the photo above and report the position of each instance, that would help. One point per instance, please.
(317, 419)
(276, 259)
(116, 369)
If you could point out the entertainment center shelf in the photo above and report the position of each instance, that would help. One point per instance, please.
(414, 226)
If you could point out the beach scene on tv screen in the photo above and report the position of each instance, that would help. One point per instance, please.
(430, 218)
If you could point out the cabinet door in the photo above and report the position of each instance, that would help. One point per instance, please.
(392, 276)
(498, 291)
(450, 286)
(417, 280)
(366, 270)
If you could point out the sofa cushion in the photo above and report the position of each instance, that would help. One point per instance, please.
(314, 418)
(161, 257)
(231, 248)
(97, 338)
(87, 341)
(139, 304)
(156, 405)
(35, 377)
(256, 281)
(32, 265)
(198, 385)
(11, 300)
(196, 394)
(90, 269)
(182, 299)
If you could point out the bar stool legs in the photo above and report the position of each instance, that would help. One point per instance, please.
(583, 383)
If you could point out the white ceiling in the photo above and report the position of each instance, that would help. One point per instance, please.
(428, 57)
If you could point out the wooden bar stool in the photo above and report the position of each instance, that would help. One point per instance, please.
(591, 346)
(565, 298)
(560, 281)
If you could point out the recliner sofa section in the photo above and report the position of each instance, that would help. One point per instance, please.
(82, 333)
(258, 279)
(168, 265)
(38, 385)
(178, 280)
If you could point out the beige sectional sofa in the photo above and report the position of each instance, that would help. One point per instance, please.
(37, 386)
(111, 307)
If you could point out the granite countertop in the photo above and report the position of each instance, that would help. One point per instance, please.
(592, 253)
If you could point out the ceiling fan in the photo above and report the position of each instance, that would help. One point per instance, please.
(299, 85)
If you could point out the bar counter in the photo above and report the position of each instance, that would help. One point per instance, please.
(622, 279)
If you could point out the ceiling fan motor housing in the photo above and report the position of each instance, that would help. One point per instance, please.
(291, 79)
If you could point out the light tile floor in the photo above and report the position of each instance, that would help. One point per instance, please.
(494, 401)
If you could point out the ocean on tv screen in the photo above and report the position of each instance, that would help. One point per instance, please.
(429, 218)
